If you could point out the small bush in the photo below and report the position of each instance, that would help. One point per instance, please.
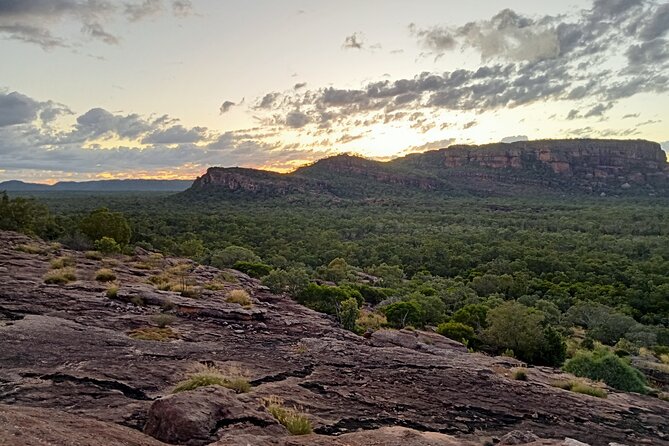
(93, 255)
(105, 275)
(211, 376)
(294, 420)
(107, 245)
(253, 269)
(602, 365)
(240, 297)
(112, 292)
(163, 320)
(580, 387)
(138, 301)
(190, 292)
(60, 276)
(520, 375)
(153, 334)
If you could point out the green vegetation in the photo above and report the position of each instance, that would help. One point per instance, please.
(580, 387)
(602, 365)
(211, 376)
(520, 375)
(522, 275)
(62, 262)
(112, 292)
(293, 419)
(162, 320)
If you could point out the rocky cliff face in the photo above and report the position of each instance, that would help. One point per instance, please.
(583, 163)
(73, 370)
(552, 165)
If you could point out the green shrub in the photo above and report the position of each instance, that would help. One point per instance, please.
(292, 281)
(602, 365)
(456, 331)
(103, 224)
(107, 245)
(327, 299)
(105, 275)
(226, 258)
(473, 315)
(348, 313)
(401, 314)
(253, 269)
(294, 420)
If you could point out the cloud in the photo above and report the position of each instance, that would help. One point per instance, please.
(35, 21)
(177, 134)
(16, 108)
(226, 106)
(139, 11)
(469, 125)
(354, 41)
(296, 119)
(182, 8)
(510, 139)
(100, 142)
(299, 85)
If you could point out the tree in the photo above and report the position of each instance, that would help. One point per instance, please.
(456, 331)
(103, 223)
(401, 314)
(348, 313)
(473, 315)
(327, 299)
(553, 350)
(293, 281)
(26, 215)
(227, 257)
(107, 245)
(516, 327)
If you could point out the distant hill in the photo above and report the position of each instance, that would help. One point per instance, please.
(578, 166)
(100, 186)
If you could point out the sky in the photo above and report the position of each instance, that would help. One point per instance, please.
(100, 89)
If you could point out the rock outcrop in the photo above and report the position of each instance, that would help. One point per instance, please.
(74, 371)
(575, 166)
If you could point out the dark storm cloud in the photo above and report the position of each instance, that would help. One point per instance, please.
(34, 21)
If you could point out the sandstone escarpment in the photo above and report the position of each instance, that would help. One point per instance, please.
(69, 349)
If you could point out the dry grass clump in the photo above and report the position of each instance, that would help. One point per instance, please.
(60, 276)
(62, 262)
(105, 275)
(580, 387)
(205, 375)
(153, 334)
(31, 248)
(520, 374)
(93, 255)
(240, 297)
(112, 292)
(370, 321)
(293, 419)
(162, 320)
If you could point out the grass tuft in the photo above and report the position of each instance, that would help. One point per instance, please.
(112, 292)
(240, 297)
(60, 276)
(93, 255)
(163, 320)
(206, 376)
(105, 275)
(293, 419)
(31, 248)
(520, 375)
(153, 334)
(580, 387)
(62, 262)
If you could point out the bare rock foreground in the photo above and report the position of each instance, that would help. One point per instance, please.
(72, 374)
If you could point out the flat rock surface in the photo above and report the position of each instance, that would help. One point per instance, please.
(66, 349)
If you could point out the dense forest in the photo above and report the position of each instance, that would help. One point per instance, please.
(541, 278)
